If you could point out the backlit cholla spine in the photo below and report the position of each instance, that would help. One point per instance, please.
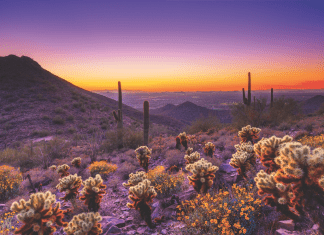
(84, 224)
(244, 159)
(76, 162)
(143, 156)
(93, 192)
(209, 149)
(142, 194)
(249, 133)
(38, 214)
(202, 175)
(192, 158)
(135, 179)
(63, 170)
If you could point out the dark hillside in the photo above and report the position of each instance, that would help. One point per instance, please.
(36, 103)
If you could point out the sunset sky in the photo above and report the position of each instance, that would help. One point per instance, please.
(170, 45)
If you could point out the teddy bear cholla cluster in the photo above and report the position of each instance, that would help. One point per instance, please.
(84, 224)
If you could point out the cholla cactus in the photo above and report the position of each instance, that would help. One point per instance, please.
(280, 193)
(70, 185)
(92, 192)
(143, 155)
(76, 162)
(192, 158)
(135, 179)
(142, 194)
(184, 140)
(63, 170)
(189, 151)
(209, 149)
(203, 175)
(53, 167)
(268, 150)
(243, 159)
(249, 134)
(38, 215)
(298, 180)
(84, 224)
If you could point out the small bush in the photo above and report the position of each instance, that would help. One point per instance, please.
(43, 133)
(103, 168)
(77, 105)
(59, 132)
(133, 139)
(70, 118)
(309, 127)
(164, 184)
(203, 124)
(175, 157)
(58, 120)
(10, 180)
(45, 117)
(223, 213)
(59, 110)
(71, 130)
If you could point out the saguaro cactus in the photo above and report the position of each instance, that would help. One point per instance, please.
(247, 101)
(146, 122)
(119, 118)
(271, 98)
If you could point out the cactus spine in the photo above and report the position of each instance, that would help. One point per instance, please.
(119, 118)
(271, 98)
(146, 122)
(247, 101)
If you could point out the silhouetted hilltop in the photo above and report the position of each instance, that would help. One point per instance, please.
(188, 112)
(34, 101)
(313, 104)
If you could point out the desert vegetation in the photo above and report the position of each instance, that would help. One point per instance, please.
(166, 169)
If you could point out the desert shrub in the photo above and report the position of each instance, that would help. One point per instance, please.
(284, 110)
(249, 115)
(102, 168)
(10, 179)
(110, 143)
(56, 148)
(77, 105)
(59, 132)
(92, 129)
(203, 124)
(312, 141)
(175, 157)
(284, 126)
(59, 110)
(132, 139)
(71, 130)
(45, 117)
(125, 169)
(58, 120)
(70, 118)
(234, 212)
(83, 109)
(309, 127)
(164, 184)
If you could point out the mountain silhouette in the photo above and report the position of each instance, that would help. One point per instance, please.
(31, 97)
(189, 112)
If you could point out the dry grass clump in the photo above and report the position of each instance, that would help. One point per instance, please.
(230, 212)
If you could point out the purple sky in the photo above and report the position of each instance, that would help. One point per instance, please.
(162, 45)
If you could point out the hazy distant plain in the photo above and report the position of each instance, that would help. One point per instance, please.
(212, 100)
